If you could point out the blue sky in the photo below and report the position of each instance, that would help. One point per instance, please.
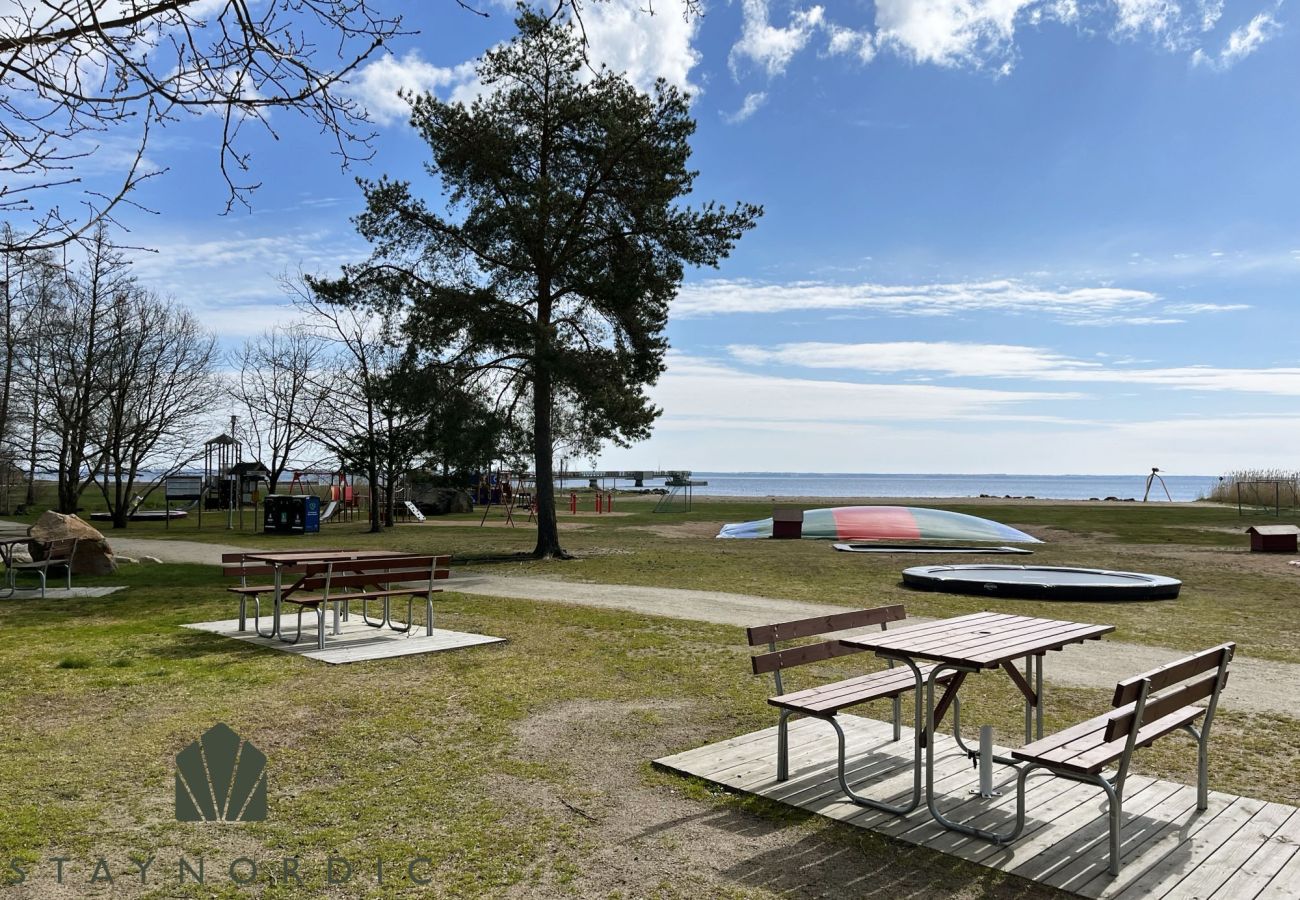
(1000, 236)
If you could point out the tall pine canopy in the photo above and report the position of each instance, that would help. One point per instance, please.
(548, 263)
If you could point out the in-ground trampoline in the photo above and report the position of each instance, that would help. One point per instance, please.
(1042, 582)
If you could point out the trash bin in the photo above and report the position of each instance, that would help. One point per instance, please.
(310, 514)
(277, 514)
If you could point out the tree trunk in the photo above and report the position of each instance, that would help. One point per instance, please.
(548, 531)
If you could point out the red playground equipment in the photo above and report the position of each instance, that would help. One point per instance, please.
(341, 498)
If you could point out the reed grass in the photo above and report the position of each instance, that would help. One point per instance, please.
(1263, 488)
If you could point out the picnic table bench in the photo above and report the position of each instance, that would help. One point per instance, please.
(1146, 708)
(826, 701)
(343, 581)
(313, 579)
(54, 555)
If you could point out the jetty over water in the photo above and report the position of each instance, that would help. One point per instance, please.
(596, 477)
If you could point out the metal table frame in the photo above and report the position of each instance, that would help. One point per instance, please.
(983, 647)
(6, 556)
(279, 559)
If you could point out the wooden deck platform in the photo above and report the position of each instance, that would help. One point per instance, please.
(356, 643)
(1238, 849)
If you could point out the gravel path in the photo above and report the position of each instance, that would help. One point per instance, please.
(1256, 685)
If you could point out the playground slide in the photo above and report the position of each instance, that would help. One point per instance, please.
(329, 510)
(414, 510)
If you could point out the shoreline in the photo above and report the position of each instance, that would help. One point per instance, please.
(807, 500)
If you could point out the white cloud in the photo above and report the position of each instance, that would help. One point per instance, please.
(982, 34)
(1198, 308)
(231, 279)
(846, 40)
(621, 34)
(378, 83)
(1089, 305)
(628, 38)
(769, 47)
(950, 32)
(747, 109)
(1161, 18)
(1241, 43)
(698, 390)
(969, 360)
(1183, 446)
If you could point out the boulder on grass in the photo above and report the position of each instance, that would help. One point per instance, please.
(441, 501)
(94, 556)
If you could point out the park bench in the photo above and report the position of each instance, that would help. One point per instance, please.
(827, 700)
(345, 581)
(54, 555)
(1146, 708)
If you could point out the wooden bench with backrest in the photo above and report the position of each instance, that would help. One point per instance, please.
(825, 701)
(344, 581)
(1146, 708)
(54, 555)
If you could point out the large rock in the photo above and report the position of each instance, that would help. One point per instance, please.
(441, 501)
(94, 556)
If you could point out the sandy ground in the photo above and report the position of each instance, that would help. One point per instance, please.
(1256, 685)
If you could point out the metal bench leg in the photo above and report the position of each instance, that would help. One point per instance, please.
(410, 608)
(365, 615)
(783, 746)
(1202, 767)
(428, 615)
(257, 616)
(297, 637)
(867, 801)
(1116, 821)
(320, 626)
(898, 718)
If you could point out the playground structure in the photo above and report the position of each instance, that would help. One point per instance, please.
(509, 490)
(1151, 480)
(229, 483)
(341, 501)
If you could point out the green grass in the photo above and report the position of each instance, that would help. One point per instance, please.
(1227, 593)
(432, 755)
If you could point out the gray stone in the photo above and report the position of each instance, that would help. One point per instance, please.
(94, 556)
(441, 501)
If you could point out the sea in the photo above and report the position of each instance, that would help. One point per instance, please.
(1043, 487)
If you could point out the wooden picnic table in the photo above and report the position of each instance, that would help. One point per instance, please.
(280, 560)
(967, 645)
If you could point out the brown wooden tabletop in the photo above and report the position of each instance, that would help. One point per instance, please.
(302, 557)
(980, 640)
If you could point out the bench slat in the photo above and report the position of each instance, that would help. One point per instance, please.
(831, 698)
(1100, 753)
(787, 631)
(1161, 706)
(798, 656)
(1171, 673)
(315, 599)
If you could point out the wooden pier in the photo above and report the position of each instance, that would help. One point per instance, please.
(1238, 849)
